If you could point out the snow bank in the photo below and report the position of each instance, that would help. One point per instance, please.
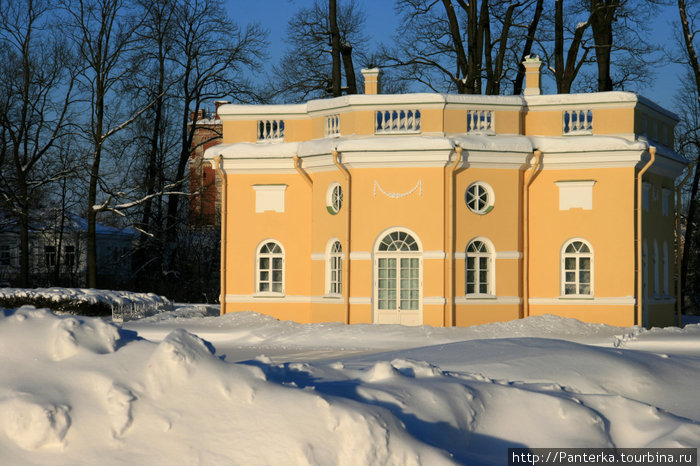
(123, 305)
(82, 391)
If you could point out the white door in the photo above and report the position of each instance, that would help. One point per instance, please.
(398, 281)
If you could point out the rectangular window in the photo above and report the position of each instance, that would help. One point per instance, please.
(50, 256)
(69, 256)
(4, 254)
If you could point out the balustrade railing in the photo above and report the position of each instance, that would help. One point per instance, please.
(479, 121)
(578, 122)
(397, 121)
(270, 130)
(332, 127)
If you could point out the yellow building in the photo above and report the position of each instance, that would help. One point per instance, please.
(450, 209)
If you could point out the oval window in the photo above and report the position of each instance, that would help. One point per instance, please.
(479, 198)
(334, 198)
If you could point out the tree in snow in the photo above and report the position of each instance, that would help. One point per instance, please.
(37, 77)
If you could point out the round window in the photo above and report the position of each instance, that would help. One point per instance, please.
(479, 198)
(334, 198)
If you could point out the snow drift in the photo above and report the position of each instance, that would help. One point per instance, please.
(84, 391)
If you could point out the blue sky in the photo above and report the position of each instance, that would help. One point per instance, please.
(382, 21)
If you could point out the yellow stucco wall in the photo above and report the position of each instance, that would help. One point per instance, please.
(387, 195)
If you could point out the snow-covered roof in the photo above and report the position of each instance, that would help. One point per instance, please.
(403, 143)
(434, 99)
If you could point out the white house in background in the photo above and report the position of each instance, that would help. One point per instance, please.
(58, 251)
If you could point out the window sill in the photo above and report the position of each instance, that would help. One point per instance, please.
(480, 296)
(577, 296)
(332, 296)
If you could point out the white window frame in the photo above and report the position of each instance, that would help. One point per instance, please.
(490, 269)
(270, 269)
(50, 256)
(563, 255)
(334, 198)
(482, 188)
(334, 268)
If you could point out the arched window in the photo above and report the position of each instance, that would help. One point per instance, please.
(398, 241)
(479, 265)
(398, 271)
(270, 268)
(577, 268)
(334, 270)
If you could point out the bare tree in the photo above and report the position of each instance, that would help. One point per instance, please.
(210, 54)
(37, 90)
(463, 45)
(103, 32)
(326, 42)
(689, 140)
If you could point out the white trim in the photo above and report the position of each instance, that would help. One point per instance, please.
(318, 256)
(360, 300)
(360, 256)
(460, 255)
(514, 300)
(328, 299)
(434, 300)
(509, 255)
(567, 301)
(281, 298)
(260, 298)
(434, 255)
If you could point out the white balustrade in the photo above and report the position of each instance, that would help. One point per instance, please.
(479, 121)
(332, 127)
(578, 122)
(397, 121)
(270, 130)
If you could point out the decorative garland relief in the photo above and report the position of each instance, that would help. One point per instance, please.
(418, 186)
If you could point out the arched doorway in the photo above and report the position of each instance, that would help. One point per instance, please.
(398, 279)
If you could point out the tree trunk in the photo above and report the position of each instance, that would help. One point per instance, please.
(346, 51)
(463, 74)
(566, 71)
(602, 16)
(527, 49)
(689, 231)
(336, 88)
(688, 37)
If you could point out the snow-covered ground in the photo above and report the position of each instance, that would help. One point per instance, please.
(188, 387)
